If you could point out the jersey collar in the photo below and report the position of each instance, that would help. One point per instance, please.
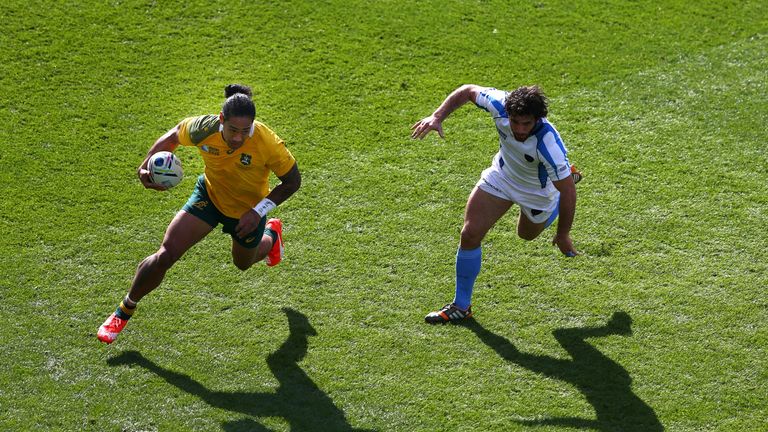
(250, 134)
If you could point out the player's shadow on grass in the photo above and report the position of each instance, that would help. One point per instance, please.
(605, 384)
(298, 400)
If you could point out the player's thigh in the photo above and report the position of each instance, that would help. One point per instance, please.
(482, 212)
(246, 248)
(184, 231)
(242, 255)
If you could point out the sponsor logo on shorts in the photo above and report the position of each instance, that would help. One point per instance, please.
(200, 205)
(492, 186)
(250, 239)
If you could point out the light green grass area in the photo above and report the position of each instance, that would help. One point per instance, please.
(659, 324)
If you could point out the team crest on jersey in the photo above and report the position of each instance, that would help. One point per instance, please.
(245, 159)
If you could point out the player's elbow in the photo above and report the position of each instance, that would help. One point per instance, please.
(291, 182)
(469, 92)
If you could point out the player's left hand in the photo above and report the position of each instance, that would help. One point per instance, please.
(565, 244)
(248, 223)
(422, 127)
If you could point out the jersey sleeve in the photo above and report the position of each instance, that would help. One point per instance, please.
(492, 100)
(280, 159)
(183, 133)
(193, 130)
(554, 156)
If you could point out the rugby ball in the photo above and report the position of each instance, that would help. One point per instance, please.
(165, 169)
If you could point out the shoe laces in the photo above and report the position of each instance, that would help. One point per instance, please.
(450, 307)
(116, 323)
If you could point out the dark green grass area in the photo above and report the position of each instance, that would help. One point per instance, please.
(659, 324)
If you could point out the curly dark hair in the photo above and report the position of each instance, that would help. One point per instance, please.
(238, 103)
(526, 100)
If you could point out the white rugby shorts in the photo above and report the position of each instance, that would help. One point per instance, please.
(493, 181)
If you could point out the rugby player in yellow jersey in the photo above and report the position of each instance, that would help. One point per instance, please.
(239, 154)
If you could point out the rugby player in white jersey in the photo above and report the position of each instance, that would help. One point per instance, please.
(531, 170)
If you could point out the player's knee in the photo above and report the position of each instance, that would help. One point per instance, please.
(527, 235)
(470, 237)
(166, 258)
(242, 265)
(244, 262)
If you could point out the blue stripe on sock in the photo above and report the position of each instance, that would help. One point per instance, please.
(468, 263)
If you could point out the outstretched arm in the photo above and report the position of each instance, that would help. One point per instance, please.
(565, 220)
(457, 98)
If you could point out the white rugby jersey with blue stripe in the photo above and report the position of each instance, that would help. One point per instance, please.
(530, 165)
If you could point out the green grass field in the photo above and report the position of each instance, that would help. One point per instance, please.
(659, 324)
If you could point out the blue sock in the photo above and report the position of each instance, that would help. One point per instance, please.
(467, 268)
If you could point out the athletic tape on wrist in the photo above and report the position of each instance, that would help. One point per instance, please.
(264, 206)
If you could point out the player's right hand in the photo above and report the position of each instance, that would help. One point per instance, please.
(146, 180)
(565, 244)
(422, 127)
(248, 223)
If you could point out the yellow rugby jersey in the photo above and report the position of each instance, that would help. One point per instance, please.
(236, 180)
